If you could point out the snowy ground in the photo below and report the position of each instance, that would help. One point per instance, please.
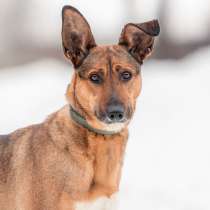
(167, 164)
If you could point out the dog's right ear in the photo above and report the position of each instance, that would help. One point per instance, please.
(77, 37)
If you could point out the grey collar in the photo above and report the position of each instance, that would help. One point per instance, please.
(82, 121)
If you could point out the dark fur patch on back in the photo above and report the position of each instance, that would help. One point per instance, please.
(5, 157)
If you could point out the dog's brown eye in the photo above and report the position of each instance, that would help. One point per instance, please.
(95, 78)
(125, 76)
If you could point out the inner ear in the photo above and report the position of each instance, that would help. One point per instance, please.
(77, 37)
(139, 38)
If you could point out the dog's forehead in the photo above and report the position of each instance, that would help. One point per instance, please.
(102, 56)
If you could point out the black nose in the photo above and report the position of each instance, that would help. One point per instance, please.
(115, 113)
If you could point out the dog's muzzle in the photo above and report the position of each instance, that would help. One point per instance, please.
(83, 122)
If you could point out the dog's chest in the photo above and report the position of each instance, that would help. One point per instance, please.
(101, 203)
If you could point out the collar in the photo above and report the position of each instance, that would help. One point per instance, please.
(83, 122)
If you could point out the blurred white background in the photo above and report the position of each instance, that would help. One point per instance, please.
(167, 163)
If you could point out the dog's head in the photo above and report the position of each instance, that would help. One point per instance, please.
(107, 79)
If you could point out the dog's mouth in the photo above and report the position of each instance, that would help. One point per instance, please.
(114, 127)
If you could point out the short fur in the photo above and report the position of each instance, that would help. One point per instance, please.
(58, 164)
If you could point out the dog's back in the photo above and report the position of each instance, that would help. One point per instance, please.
(14, 159)
(6, 154)
(5, 157)
(5, 160)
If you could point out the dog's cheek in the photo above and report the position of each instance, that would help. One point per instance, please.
(133, 93)
(93, 103)
(137, 86)
(89, 96)
(85, 96)
(70, 91)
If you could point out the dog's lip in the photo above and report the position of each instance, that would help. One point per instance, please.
(108, 121)
(114, 126)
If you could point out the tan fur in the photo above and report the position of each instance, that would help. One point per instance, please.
(59, 164)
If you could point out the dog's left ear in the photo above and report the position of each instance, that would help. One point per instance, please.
(77, 37)
(139, 38)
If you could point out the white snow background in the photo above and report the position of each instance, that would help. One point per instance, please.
(167, 162)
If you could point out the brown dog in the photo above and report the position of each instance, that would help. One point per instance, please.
(73, 160)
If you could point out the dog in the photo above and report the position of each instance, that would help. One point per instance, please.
(73, 160)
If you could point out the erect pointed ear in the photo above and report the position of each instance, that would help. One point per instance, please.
(77, 37)
(139, 38)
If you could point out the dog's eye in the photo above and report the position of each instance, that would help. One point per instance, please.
(125, 76)
(95, 78)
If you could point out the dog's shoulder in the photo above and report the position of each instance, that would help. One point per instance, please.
(7, 142)
(12, 147)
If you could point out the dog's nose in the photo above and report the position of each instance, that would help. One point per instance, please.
(115, 113)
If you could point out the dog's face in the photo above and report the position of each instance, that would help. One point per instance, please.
(107, 79)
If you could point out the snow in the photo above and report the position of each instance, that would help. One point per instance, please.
(167, 162)
(188, 20)
(30, 92)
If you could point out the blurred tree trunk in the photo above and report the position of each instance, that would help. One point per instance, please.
(168, 49)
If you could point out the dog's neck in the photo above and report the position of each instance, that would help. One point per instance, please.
(68, 127)
(105, 152)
